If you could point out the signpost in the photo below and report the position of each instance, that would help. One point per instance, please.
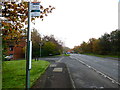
(33, 10)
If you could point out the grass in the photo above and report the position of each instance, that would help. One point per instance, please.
(51, 56)
(14, 73)
(66, 54)
(104, 56)
(55, 55)
(59, 55)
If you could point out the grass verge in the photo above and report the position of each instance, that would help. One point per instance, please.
(104, 56)
(66, 54)
(14, 73)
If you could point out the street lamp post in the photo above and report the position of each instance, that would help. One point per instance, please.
(40, 47)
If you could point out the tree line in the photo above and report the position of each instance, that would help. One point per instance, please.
(107, 44)
(49, 45)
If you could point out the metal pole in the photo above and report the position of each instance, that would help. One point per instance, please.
(40, 50)
(28, 49)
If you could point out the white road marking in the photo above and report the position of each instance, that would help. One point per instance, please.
(60, 59)
(71, 78)
(57, 69)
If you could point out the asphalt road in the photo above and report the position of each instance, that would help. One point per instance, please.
(84, 76)
(107, 66)
(90, 71)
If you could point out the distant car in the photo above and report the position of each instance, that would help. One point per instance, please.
(68, 53)
(8, 58)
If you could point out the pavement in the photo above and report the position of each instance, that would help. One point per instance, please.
(56, 76)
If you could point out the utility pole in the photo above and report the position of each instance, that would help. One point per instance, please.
(29, 43)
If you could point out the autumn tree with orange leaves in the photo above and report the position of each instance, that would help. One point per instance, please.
(16, 15)
(107, 44)
(15, 21)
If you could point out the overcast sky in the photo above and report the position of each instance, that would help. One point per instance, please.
(75, 21)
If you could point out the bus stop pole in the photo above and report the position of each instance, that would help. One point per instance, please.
(28, 61)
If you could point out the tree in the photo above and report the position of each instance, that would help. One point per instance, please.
(36, 39)
(58, 43)
(77, 49)
(115, 42)
(90, 45)
(49, 48)
(96, 46)
(105, 44)
(83, 47)
(15, 21)
(16, 14)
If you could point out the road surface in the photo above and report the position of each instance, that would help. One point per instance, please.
(104, 65)
(85, 70)
(90, 71)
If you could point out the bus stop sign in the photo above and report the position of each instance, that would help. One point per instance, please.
(35, 9)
